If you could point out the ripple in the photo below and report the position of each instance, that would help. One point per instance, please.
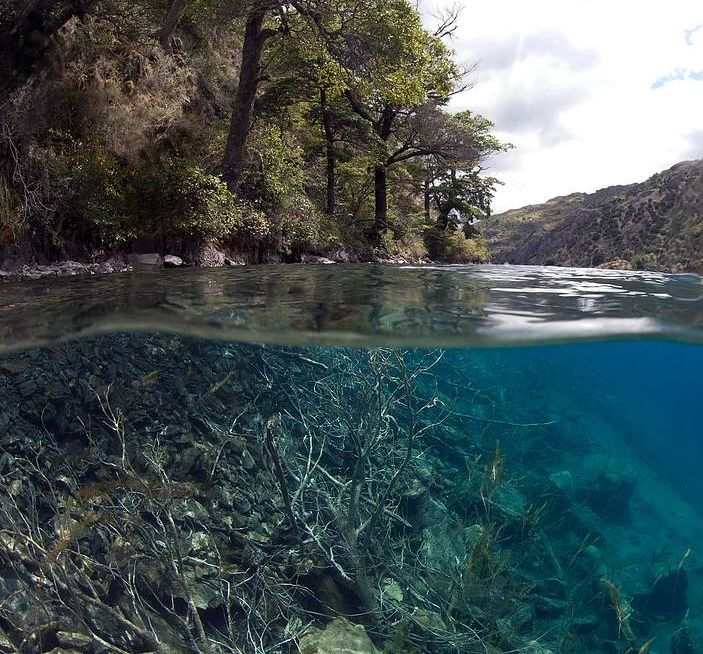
(360, 304)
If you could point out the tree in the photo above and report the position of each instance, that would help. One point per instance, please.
(396, 69)
(451, 149)
(255, 37)
(171, 20)
(26, 29)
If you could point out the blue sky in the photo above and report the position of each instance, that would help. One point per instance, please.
(591, 92)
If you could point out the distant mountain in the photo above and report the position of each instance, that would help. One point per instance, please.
(656, 225)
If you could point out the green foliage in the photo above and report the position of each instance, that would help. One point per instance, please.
(393, 59)
(274, 184)
(452, 245)
(467, 192)
(104, 201)
(409, 245)
(122, 139)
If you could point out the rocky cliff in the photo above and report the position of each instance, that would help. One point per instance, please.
(655, 225)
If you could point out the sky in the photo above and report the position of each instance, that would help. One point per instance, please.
(591, 93)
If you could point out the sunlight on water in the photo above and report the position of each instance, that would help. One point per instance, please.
(190, 487)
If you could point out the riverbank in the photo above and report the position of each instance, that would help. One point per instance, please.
(18, 266)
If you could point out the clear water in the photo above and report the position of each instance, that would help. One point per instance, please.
(459, 459)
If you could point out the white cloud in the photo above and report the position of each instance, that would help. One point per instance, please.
(592, 92)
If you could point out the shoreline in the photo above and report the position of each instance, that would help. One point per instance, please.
(23, 269)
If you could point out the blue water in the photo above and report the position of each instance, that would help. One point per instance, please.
(649, 393)
(463, 459)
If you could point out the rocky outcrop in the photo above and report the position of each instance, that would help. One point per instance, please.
(655, 225)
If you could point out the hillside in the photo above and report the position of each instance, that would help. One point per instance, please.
(656, 225)
(240, 128)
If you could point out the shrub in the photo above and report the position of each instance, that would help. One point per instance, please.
(274, 182)
(104, 201)
(197, 204)
(11, 218)
(410, 245)
(452, 246)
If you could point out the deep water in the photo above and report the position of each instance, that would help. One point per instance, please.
(163, 491)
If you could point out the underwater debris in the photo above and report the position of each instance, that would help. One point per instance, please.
(480, 545)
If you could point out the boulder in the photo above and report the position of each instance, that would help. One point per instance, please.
(172, 261)
(609, 494)
(309, 258)
(151, 259)
(339, 637)
(208, 255)
(667, 597)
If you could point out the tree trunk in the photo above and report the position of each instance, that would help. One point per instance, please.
(243, 112)
(427, 199)
(328, 125)
(381, 196)
(383, 129)
(173, 17)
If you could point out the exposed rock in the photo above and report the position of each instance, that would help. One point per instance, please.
(339, 637)
(148, 260)
(310, 258)
(617, 264)
(343, 255)
(65, 269)
(172, 261)
(208, 255)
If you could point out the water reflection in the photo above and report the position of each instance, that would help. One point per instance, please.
(450, 305)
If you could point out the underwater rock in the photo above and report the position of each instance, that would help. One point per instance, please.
(522, 618)
(74, 640)
(510, 500)
(667, 598)
(563, 480)
(552, 587)
(595, 556)
(339, 637)
(535, 647)
(681, 643)
(429, 620)
(586, 625)
(392, 590)
(608, 495)
(547, 607)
